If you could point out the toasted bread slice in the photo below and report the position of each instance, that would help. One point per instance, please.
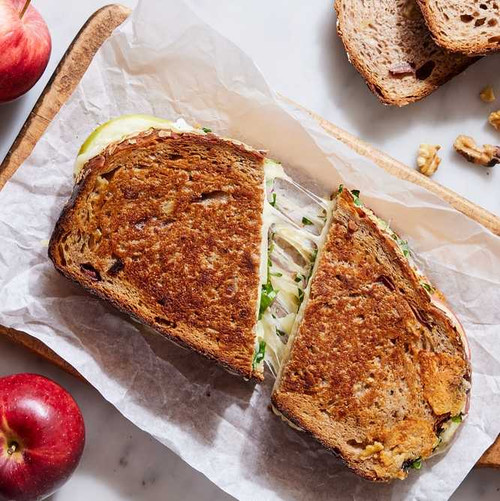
(388, 42)
(167, 226)
(471, 26)
(375, 371)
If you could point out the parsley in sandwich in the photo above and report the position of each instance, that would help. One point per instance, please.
(268, 295)
(306, 221)
(428, 287)
(206, 130)
(273, 200)
(416, 464)
(259, 354)
(357, 200)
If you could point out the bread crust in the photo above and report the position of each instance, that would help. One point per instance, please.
(167, 227)
(375, 368)
(473, 46)
(410, 88)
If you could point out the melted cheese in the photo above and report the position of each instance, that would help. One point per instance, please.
(284, 238)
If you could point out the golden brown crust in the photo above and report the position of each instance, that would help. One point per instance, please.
(354, 377)
(167, 227)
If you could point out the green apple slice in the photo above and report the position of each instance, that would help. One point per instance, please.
(118, 128)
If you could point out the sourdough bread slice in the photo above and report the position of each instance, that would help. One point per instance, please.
(375, 371)
(388, 42)
(167, 227)
(468, 26)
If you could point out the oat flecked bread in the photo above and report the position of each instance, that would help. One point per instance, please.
(376, 371)
(389, 43)
(167, 227)
(471, 27)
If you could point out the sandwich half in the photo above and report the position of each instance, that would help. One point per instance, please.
(165, 222)
(377, 367)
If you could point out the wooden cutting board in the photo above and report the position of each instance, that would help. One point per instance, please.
(66, 77)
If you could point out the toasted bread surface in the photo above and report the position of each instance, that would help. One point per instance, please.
(471, 27)
(388, 42)
(374, 367)
(167, 227)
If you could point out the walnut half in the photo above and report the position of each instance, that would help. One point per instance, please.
(488, 155)
(495, 119)
(428, 160)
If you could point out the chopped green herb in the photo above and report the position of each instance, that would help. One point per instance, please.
(428, 287)
(341, 189)
(206, 130)
(271, 243)
(357, 201)
(259, 354)
(276, 274)
(403, 245)
(314, 255)
(301, 294)
(457, 419)
(273, 200)
(298, 278)
(306, 221)
(417, 464)
(280, 333)
(267, 297)
(269, 262)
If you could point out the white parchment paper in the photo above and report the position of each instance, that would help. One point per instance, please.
(168, 62)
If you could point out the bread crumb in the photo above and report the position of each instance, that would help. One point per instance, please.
(428, 160)
(488, 155)
(495, 119)
(487, 95)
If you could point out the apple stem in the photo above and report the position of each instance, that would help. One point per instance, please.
(25, 8)
(12, 448)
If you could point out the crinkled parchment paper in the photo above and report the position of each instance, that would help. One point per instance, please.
(168, 62)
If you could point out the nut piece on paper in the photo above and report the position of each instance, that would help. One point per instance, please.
(487, 95)
(428, 160)
(495, 119)
(488, 155)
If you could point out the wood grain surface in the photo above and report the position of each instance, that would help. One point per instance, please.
(67, 76)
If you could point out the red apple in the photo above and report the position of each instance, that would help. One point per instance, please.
(25, 47)
(42, 436)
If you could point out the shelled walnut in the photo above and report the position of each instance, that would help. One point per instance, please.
(494, 119)
(488, 155)
(427, 159)
(487, 95)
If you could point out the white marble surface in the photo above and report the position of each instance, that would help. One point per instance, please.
(295, 45)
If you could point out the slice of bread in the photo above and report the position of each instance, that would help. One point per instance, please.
(375, 370)
(468, 26)
(388, 42)
(168, 228)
